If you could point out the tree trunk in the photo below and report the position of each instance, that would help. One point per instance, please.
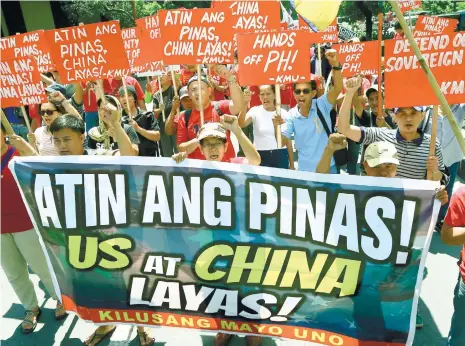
(362, 6)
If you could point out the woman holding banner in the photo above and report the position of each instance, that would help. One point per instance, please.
(265, 131)
(20, 245)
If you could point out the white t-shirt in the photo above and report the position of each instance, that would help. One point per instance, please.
(44, 142)
(263, 129)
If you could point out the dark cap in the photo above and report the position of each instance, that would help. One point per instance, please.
(195, 79)
(131, 90)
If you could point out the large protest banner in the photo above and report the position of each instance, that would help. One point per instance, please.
(29, 44)
(337, 260)
(359, 58)
(252, 16)
(430, 26)
(88, 52)
(408, 5)
(281, 57)
(405, 82)
(197, 36)
(20, 82)
(132, 45)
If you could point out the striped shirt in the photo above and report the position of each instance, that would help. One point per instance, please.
(44, 142)
(412, 154)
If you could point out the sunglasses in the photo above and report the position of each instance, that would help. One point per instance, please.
(47, 111)
(302, 91)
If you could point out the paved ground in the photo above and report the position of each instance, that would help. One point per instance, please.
(435, 307)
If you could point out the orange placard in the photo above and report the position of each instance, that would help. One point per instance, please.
(29, 44)
(405, 82)
(131, 41)
(358, 58)
(151, 54)
(274, 57)
(330, 34)
(88, 52)
(20, 82)
(253, 16)
(199, 36)
(408, 5)
(430, 26)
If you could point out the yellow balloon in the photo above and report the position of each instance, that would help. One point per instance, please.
(320, 13)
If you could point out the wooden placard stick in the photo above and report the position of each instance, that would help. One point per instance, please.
(432, 145)
(173, 79)
(126, 96)
(26, 118)
(199, 81)
(277, 89)
(160, 92)
(6, 124)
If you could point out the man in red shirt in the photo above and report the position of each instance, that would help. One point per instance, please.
(187, 72)
(20, 246)
(453, 233)
(187, 130)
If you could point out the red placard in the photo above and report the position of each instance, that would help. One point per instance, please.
(274, 57)
(430, 26)
(330, 34)
(405, 82)
(29, 44)
(89, 52)
(151, 55)
(20, 82)
(197, 36)
(358, 58)
(408, 5)
(131, 41)
(253, 16)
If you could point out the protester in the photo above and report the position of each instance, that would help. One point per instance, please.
(42, 138)
(412, 145)
(102, 136)
(111, 86)
(304, 120)
(453, 233)
(399, 35)
(219, 84)
(182, 102)
(90, 105)
(370, 118)
(68, 135)
(75, 100)
(213, 143)
(15, 117)
(144, 123)
(163, 103)
(189, 121)
(20, 245)
(451, 151)
(187, 72)
(265, 131)
(323, 67)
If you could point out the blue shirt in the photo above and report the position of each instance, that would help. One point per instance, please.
(309, 134)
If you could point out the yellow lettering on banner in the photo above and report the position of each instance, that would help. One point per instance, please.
(245, 328)
(121, 260)
(205, 260)
(172, 320)
(157, 319)
(74, 251)
(256, 266)
(350, 268)
(298, 265)
(228, 325)
(105, 316)
(204, 323)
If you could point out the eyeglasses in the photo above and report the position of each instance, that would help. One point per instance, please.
(213, 145)
(49, 112)
(302, 91)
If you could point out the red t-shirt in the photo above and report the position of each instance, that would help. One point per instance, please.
(456, 218)
(89, 100)
(14, 214)
(210, 115)
(218, 95)
(111, 86)
(34, 113)
(184, 76)
(287, 96)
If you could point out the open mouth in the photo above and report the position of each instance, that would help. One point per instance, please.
(64, 152)
(214, 157)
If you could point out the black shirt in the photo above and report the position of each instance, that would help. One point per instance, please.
(147, 121)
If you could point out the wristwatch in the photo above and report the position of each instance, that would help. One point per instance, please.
(337, 68)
